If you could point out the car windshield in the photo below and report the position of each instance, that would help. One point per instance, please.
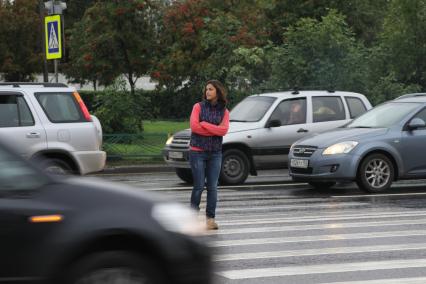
(383, 116)
(16, 175)
(251, 109)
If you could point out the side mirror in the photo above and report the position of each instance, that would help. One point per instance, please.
(273, 123)
(416, 123)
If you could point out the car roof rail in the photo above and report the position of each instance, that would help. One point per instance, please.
(46, 85)
(411, 96)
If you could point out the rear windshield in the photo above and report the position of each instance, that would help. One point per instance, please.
(60, 107)
(251, 109)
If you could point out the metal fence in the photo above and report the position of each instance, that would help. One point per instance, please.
(134, 146)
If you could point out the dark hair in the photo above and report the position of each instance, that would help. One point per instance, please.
(220, 91)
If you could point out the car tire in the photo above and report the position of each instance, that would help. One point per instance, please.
(322, 185)
(185, 175)
(113, 267)
(375, 174)
(235, 167)
(56, 166)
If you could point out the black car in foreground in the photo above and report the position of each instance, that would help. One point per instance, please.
(74, 230)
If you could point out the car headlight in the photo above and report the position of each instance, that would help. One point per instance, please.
(169, 140)
(340, 148)
(177, 218)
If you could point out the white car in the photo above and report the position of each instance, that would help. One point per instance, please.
(264, 126)
(49, 122)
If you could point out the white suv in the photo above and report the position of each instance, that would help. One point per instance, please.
(50, 122)
(263, 127)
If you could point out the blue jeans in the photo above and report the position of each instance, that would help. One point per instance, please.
(205, 167)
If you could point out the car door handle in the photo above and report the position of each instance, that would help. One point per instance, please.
(302, 130)
(33, 135)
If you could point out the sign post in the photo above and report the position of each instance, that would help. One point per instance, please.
(53, 32)
(53, 40)
(53, 37)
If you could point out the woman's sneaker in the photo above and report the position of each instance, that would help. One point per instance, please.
(211, 224)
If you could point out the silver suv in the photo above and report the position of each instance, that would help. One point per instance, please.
(263, 127)
(50, 122)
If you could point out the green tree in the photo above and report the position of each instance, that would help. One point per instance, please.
(404, 42)
(320, 54)
(118, 37)
(20, 40)
(201, 37)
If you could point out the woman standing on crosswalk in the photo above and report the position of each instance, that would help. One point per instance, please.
(209, 123)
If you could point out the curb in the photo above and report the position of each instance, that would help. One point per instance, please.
(153, 168)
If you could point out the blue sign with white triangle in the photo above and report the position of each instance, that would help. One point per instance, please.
(53, 37)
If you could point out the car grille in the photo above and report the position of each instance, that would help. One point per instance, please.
(301, 171)
(180, 142)
(303, 151)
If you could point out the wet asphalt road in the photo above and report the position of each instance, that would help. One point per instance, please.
(274, 231)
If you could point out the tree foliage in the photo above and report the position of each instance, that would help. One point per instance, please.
(373, 47)
(114, 38)
(20, 41)
(320, 54)
(404, 41)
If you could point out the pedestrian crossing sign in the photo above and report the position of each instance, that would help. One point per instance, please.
(52, 26)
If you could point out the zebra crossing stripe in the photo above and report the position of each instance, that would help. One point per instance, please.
(304, 206)
(322, 269)
(316, 227)
(281, 219)
(282, 240)
(321, 251)
(413, 280)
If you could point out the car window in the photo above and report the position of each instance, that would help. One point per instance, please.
(421, 115)
(290, 112)
(14, 111)
(356, 106)
(16, 174)
(60, 107)
(251, 109)
(384, 116)
(327, 109)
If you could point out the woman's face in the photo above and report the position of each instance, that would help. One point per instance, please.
(211, 94)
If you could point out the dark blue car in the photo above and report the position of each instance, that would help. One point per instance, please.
(73, 231)
(381, 146)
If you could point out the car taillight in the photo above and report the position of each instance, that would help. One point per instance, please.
(83, 107)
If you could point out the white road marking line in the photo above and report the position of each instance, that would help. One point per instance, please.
(382, 194)
(316, 238)
(323, 269)
(413, 280)
(330, 226)
(304, 206)
(237, 186)
(318, 252)
(275, 220)
(296, 215)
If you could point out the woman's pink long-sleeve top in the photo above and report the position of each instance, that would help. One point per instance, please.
(207, 129)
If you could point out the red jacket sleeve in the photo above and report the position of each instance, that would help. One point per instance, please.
(218, 130)
(195, 124)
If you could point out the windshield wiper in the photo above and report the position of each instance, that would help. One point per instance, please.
(238, 120)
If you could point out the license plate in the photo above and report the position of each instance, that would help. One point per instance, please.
(175, 155)
(299, 163)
